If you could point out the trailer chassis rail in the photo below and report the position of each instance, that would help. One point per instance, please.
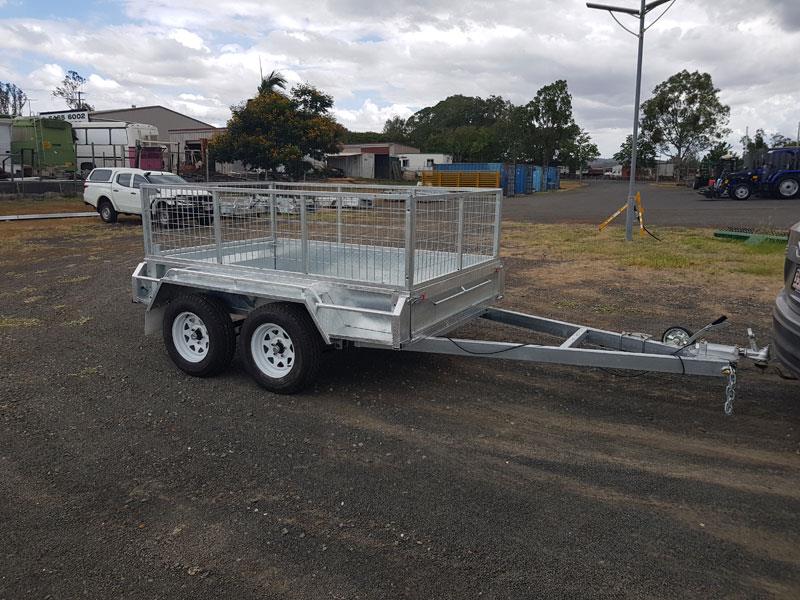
(608, 350)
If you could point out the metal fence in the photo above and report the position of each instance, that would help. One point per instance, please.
(385, 235)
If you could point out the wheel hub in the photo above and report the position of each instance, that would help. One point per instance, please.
(190, 337)
(272, 350)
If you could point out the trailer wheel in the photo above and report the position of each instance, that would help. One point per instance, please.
(741, 191)
(788, 187)
(676, 336)
(199, 334)
(280, 347)
(107, 212)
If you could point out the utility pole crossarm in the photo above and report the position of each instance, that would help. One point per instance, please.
(624, 9)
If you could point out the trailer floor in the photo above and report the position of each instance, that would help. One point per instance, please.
(399, 475)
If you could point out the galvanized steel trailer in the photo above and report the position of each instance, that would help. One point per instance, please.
(298, 267)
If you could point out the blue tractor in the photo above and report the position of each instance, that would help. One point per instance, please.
(779, 176)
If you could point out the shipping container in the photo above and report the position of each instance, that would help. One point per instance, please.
(488, 167)
(514, 179)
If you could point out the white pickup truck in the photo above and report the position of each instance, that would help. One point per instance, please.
(114, 191)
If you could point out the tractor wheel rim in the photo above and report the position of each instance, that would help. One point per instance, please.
(789, 187)
(190, 337)
(272, 350)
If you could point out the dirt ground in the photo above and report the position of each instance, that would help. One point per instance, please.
(397, 475)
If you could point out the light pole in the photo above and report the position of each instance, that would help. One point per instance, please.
(639, 13)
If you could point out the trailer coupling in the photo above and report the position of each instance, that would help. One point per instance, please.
(584, 346)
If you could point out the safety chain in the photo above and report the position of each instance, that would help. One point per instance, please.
(730, 389)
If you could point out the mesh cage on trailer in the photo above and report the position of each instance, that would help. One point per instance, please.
(384, 235)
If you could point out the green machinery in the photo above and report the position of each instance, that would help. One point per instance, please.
(43, 147)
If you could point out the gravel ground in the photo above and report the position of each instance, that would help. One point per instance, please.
(664, 205)
(397, 476)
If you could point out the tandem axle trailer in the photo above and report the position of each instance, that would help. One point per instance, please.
(290, 269)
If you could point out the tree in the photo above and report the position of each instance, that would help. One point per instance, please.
(433, 129)
(685, 116)
(273, 130)
(70, 90)
(779, 140)
(394, 130)
(271, 82)
(718, 151)
(579, 151)
(516, 134)
(12, 99)
(551, 109)
(645, 152)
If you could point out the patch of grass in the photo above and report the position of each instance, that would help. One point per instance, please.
(33, 299)
(37, 206)
(86, 372)
(78, 322)
(18, 322)
(76, 279)
(762, 270)
(682, 250)
(566, 303)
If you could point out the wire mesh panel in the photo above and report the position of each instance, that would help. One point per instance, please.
(381, 235)
(454, 232)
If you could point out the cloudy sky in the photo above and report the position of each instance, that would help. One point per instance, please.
(384, 58)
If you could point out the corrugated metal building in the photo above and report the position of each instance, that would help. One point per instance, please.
(187, 136)
(162, 117)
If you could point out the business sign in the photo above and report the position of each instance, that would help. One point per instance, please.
(72, 116)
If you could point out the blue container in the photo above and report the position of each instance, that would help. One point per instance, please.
(537, 179)
(523, 179)
(553, 178)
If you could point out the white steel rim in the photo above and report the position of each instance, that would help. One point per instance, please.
(190, 337)
(105, 212)
(741, 192)
(163, 215)
(272, 350)
(789, 187)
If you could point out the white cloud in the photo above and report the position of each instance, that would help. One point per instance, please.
(187, 38)
(369, 116)
(97, 83)
(391, 58)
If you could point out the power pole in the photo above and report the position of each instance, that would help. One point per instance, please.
(640, 14)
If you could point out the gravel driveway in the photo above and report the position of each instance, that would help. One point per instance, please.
(397, 476)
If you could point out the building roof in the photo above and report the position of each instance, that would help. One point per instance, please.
(210, 128)
(135, 108)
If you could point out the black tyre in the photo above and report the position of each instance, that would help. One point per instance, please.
(199, 334)
(281, 347)
(107, 212)
(740, 191)
(163, 215)
(788, 187)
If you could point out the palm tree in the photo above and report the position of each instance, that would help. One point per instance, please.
(272, 81)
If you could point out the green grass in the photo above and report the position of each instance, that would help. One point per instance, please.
(680, 250)
(18, 322)
(27, 206)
